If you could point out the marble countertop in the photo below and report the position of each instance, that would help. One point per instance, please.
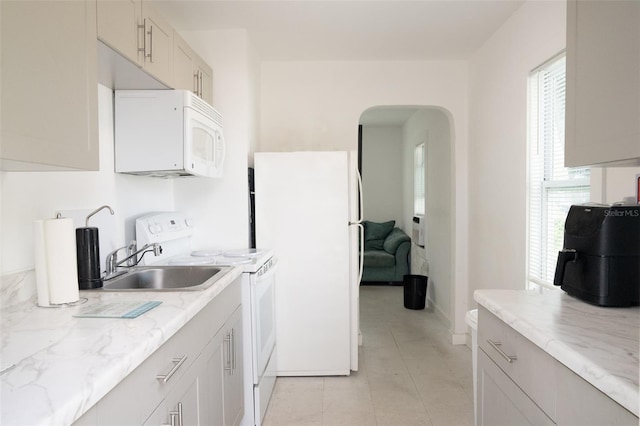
(600, 345)
(63, 365)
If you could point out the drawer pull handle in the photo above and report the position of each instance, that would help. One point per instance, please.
(497, 347)
(164, 378)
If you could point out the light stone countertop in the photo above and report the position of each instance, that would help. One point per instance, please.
(64, 365)
(601, 345)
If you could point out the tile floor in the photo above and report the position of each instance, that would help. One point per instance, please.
(409, 375)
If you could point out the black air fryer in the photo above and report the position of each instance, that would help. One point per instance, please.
(600, 261)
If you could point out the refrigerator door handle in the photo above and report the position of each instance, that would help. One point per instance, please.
(361, 218)
(361, 253)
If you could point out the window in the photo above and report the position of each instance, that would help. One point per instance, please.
(553, 188)
(418, 180)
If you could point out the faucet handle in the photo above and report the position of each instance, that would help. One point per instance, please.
(133, 245)
(131, 249)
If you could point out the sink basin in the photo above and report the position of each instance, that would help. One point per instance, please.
(166, 278)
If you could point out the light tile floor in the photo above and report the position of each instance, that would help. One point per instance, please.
(409, 374)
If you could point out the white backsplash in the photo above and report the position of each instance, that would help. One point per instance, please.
(17, 288)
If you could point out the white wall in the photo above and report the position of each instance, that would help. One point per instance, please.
(497, 141)
(382, 174)
(613, 184)
(317, 106)
(435, 260)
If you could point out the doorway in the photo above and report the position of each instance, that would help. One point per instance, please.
(388, 137)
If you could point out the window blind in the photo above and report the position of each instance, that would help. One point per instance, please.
(552, 188)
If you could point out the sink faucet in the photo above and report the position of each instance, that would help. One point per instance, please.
(112, 262)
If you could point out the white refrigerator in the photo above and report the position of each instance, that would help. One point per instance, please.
(309, 211)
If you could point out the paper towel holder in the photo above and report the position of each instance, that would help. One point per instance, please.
(50, 241)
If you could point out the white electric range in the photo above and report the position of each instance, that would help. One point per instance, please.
(173, 231)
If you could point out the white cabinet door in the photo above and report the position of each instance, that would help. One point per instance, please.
(212, 384)
(118, 25)
(190, 71)
(49, 85)
(233, 371)
(184, 76)
(501, 402)
(603, 82)
(205, 80)
(157, 49)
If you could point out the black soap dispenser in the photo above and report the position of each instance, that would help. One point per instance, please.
(88, 254)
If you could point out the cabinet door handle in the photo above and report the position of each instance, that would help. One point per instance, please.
(176, 414)
(200, 84)
(164, 378)
(498, 347)
(150, 55)
(143, 27)
(233, 351)
(195, 82)
(227, 341)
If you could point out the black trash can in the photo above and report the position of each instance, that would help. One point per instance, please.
(415, 291)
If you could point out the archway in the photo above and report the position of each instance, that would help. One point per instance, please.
(390, 135)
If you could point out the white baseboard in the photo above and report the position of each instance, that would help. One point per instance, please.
(456, 339)
(441, 316)
(459, 339)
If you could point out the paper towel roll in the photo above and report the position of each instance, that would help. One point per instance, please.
(56, 267)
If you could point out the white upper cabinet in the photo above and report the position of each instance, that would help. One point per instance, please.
(135, 30)
(49, 85)
(118, 26)
(157, 44)
(190, 72)
(603, 82)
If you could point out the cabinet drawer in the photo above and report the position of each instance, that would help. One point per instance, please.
(501, 401)
(530, 367)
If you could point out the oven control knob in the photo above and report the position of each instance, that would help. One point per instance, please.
(189, 222)
(155, 228)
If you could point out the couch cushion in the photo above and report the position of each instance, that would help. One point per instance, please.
(393, 241)
(377, 231)
(374, 245)
(378, 258)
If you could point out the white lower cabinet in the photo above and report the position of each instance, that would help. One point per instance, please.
(208, 394)
(190, 380)
(520, 384)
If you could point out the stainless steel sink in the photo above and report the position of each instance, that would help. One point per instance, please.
(166, 278)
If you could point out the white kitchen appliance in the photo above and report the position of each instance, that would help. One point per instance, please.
(167, 133)
(309, 211)
(173, 231)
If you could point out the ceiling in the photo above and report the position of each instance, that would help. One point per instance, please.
(299, 30)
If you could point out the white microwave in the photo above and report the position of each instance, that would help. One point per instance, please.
(167, 133)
